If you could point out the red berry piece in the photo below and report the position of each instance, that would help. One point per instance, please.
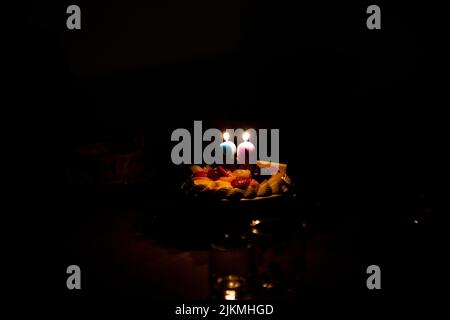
(223, 172)
(200, 174)
(241, 183)
(214, 174)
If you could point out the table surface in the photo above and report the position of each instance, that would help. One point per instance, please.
(119, 254)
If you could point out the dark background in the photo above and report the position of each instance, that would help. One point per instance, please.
(359, 111)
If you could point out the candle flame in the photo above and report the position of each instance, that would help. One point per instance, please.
(246, 136)
(226, 136)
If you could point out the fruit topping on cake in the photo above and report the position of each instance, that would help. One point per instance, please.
(240, 182)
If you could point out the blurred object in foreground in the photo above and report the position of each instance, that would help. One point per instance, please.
(231, 268)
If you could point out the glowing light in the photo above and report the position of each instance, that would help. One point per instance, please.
(230, 294)
(246, 136)
(255, 223)
(226, 136)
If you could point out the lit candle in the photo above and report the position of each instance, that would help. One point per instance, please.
(229, 149)
(245, 149)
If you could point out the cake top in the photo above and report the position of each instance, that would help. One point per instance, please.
(234, 182)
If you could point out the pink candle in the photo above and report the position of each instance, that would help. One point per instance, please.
(245, 149)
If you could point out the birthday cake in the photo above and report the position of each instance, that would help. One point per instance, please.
(238, 183)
